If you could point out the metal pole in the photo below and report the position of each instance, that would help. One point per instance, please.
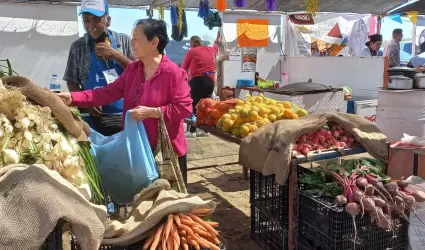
(414, 40)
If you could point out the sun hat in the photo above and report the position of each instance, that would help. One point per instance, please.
(96, 7)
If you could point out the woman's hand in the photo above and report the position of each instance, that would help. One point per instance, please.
(141, 112)
(66, 98)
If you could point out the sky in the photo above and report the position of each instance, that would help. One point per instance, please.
(122, 20)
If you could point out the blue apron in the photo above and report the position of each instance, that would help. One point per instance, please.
(97, 79)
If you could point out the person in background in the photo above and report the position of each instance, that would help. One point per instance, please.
(372, 46)
(96, 60)
(151, 86)
(200, 62)
(392, 50)
(313, 51)
(418, 62)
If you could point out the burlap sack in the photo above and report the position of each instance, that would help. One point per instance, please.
(43, 97)
(34, 198)
(269, 150)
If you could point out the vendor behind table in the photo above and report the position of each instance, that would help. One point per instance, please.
(200, 62)
(96, 60)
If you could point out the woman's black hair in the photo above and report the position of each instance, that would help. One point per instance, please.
(155, 28)
(373, 39)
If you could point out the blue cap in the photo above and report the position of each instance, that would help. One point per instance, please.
(96, 7)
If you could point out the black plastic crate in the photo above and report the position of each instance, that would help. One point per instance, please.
(266, 231)
(54, 240)
(322, 225)
(267, 194)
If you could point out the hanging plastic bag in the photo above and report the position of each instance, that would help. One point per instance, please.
(125, 161)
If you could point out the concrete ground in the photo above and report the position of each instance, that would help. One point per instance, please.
(223, 184)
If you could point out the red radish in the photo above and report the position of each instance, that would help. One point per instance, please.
(322, 138)
(369, 189)
(294, 152)
(341, 144)
(310, 134)
(295, 147)
(351, 140)
(338, 127)
(402, 184)
(340, 200)
(328, 135)
(330, 141)
(333, 128)
(419, 196)
(305, 151)
(344, 139)
(353, 209)
(361, 182)
(325, 145)
(336, 133)
(358, 197)
(322, 131)
(378, 201)
(369, 204)
(303, 138)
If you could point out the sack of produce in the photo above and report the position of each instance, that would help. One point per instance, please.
(37, 128)
(274, 144)
(125, 161)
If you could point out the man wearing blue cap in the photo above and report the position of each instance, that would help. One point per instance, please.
(96, 60)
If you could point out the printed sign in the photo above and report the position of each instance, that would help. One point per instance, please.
(253, 32)
(302, 19)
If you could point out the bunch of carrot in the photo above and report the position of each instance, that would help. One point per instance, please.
(180, 231)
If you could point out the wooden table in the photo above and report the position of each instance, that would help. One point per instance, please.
(222, 135)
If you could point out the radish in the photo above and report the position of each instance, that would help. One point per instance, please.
(358, 197)
(336, 133)
(351, 140)
(340, 200)
(378, 201)
(305, 151)
(353, 209)
(333, 128)
(402, 184)
(322, 131)
(369, 189)
(328, 135)
(338, 127)
(361, 182)
(419, 195)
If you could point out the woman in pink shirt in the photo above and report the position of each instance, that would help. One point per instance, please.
(200, 62)
(151, 85)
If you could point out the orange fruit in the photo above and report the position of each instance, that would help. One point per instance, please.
(215, 113)
(295, 116)
(288, 114)
(286, 104)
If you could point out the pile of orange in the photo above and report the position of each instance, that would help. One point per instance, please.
(209, 111)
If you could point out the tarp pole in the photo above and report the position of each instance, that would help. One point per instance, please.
(414, 40)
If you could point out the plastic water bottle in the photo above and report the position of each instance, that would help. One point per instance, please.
(55, 84)
(285, 79)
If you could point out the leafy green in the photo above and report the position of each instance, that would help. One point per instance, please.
(319, 181)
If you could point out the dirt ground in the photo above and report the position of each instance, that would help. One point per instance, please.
(225, 184)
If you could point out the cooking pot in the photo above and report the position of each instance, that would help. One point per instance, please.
(419, 81)
(400, 82)
(402, 71)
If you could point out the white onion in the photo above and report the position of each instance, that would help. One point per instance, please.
(31, 117)
(18, 125)
(10, 156)
(28, 135)
(54, 127)
(56, 136)
(37, 138)
(25, 123)
(8, 129)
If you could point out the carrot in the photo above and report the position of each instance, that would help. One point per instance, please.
(182, 232)
(156, 237)
(204, 224)
(176, 235)
(201, 232)
(184, 243)
(170, 243)
(212, 223)
(148, 242)
(188, 230)
(163, 243)
(201, 241)
(207, 244)
(216, 240)
(193, 242)
(188, 222)
(200, 211)
(177, 220)
(185, 217)
(168, 225)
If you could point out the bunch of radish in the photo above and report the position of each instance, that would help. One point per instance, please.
(364, 193)
(329, 137)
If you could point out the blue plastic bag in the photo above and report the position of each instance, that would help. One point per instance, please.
(125, 161)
